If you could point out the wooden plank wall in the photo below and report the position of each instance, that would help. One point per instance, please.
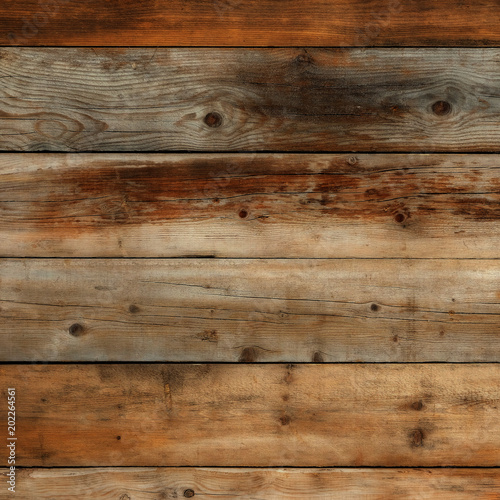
(250, 249)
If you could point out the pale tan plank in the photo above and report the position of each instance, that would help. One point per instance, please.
(285, 484)
(256, 415)
(249, 99)
(227, 205)
(249, 310)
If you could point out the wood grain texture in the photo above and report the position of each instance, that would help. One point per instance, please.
(256, 415)
(264, 484)
(250, 310)
(249, 205)
(250, 99)
(263, 22)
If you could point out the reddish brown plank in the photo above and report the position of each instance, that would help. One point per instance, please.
(257, 23)
(261, 205)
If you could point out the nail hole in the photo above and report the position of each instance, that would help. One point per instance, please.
(243, 214)
(441, 108)
(213, 120)
(118, 438)
(374, 307)
(399, 218)
(76, 330)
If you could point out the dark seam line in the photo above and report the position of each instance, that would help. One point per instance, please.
(312, 467)
(198, 257)
(255, 47)
(284, 363)
(227, 152)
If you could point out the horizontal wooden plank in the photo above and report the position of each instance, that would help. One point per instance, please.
(286, 484)
(263, 22)
(255, 415)
(253, 205)
(250, 310)
(250, 99)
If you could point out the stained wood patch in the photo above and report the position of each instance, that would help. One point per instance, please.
(250, 310)
(250, 99)
(287, 484)
(256, 415)
(263, 22)
(250, 205)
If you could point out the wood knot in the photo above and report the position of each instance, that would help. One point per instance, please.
(248, 355)
(374, 307)
(399, 218)
(441, 108)
(352, 160)
(133, 309)
(76, 330)
(417, 405)
(285, 420)
(213, 119)
(189, 493)
(304, 59)
(318, 357)
(417, 438)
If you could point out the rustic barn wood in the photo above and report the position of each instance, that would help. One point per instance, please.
(256, 415)
(250, 99)
(252, 205)
(249, 310)
(263, 22)
(266, 484)
(250, 249)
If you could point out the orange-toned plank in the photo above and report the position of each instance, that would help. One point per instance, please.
(255, 415)
(252, 22)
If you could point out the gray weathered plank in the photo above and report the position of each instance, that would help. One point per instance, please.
(250, 99)
(249, 310)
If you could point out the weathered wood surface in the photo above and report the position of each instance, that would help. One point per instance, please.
(250, 310)
(262, 23)
(253, 205)
(256, 415)
(285, 484)
(250, 99)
